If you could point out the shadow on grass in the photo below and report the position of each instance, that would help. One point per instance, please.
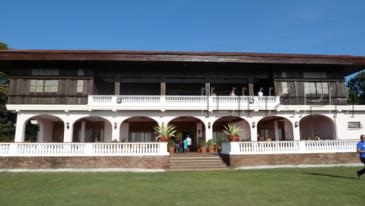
(330, 175)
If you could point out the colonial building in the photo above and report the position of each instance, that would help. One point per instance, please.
(119, 96)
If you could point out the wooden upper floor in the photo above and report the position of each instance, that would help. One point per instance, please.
(68, 77)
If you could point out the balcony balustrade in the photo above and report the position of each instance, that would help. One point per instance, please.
(289, 147)
(160, 148)
(184, 102)
(84, 149)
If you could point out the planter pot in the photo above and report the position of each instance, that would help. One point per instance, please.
(164, 139)
(233, 138)
(211, 149)
(171, 149)
(203, 149)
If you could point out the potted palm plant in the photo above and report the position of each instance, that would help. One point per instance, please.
(211, 144)
(164, 132)
(202, 145)
(232, 131)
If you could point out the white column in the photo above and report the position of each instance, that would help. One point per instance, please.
(296, 130)
(253, 131)
(116, 132)
(276, 130)
(20, 128)
(208, 131)
(82, 131)
(68, 130)
(40, 133)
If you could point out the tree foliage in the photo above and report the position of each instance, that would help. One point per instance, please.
(7, 119)
(3, 46)
(356, 89)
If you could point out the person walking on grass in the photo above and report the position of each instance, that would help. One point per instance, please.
(361, 150)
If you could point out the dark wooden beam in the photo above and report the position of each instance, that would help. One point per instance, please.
(77, 55)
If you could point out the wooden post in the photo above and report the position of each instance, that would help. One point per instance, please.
(251, 91)
(117, 86)
(207, 88)
(163, 88)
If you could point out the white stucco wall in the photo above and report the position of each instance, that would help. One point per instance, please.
(341, 123)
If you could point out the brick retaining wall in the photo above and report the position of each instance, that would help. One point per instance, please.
(154, 162)
(290, 159)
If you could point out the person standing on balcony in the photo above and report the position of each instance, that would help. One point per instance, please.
(260, 93)
(361, 150)
(233, 92)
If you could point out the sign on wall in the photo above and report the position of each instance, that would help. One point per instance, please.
(354, 125)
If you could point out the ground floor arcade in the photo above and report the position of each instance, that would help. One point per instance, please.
(137, 126)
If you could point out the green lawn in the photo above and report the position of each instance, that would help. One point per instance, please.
(314, 186)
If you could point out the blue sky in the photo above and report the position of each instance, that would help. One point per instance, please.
(287, 26)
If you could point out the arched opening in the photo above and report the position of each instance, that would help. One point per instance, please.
(44, 128)
(219, 124)
(189, 126)
(316, 127)
(92, 129)
(138, 129)
(274, 128)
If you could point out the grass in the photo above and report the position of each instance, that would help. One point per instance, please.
(314, 186)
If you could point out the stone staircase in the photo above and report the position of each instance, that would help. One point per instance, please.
(196, 161)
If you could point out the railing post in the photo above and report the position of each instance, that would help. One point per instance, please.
(163, 148)
(302, 147)
(163, 103)
(13, 149)
(88, 149)
(114, 99)
(90, 99)
(210, 104)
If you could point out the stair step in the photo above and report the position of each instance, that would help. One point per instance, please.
(197, 169)
(196, 161)
(192, 158)
(201, 161)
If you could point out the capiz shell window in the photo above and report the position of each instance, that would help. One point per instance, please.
(51, 86)
(43, 86)
(80, 86)
(36, 86)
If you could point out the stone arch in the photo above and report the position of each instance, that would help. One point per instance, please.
(92, 129)
(275, 128)
(218, 126)
(44, 128)
(189, 125)
(138, 129)
(317, 127)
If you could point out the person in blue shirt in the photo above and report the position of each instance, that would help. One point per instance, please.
(361, 150)
(186, 145)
